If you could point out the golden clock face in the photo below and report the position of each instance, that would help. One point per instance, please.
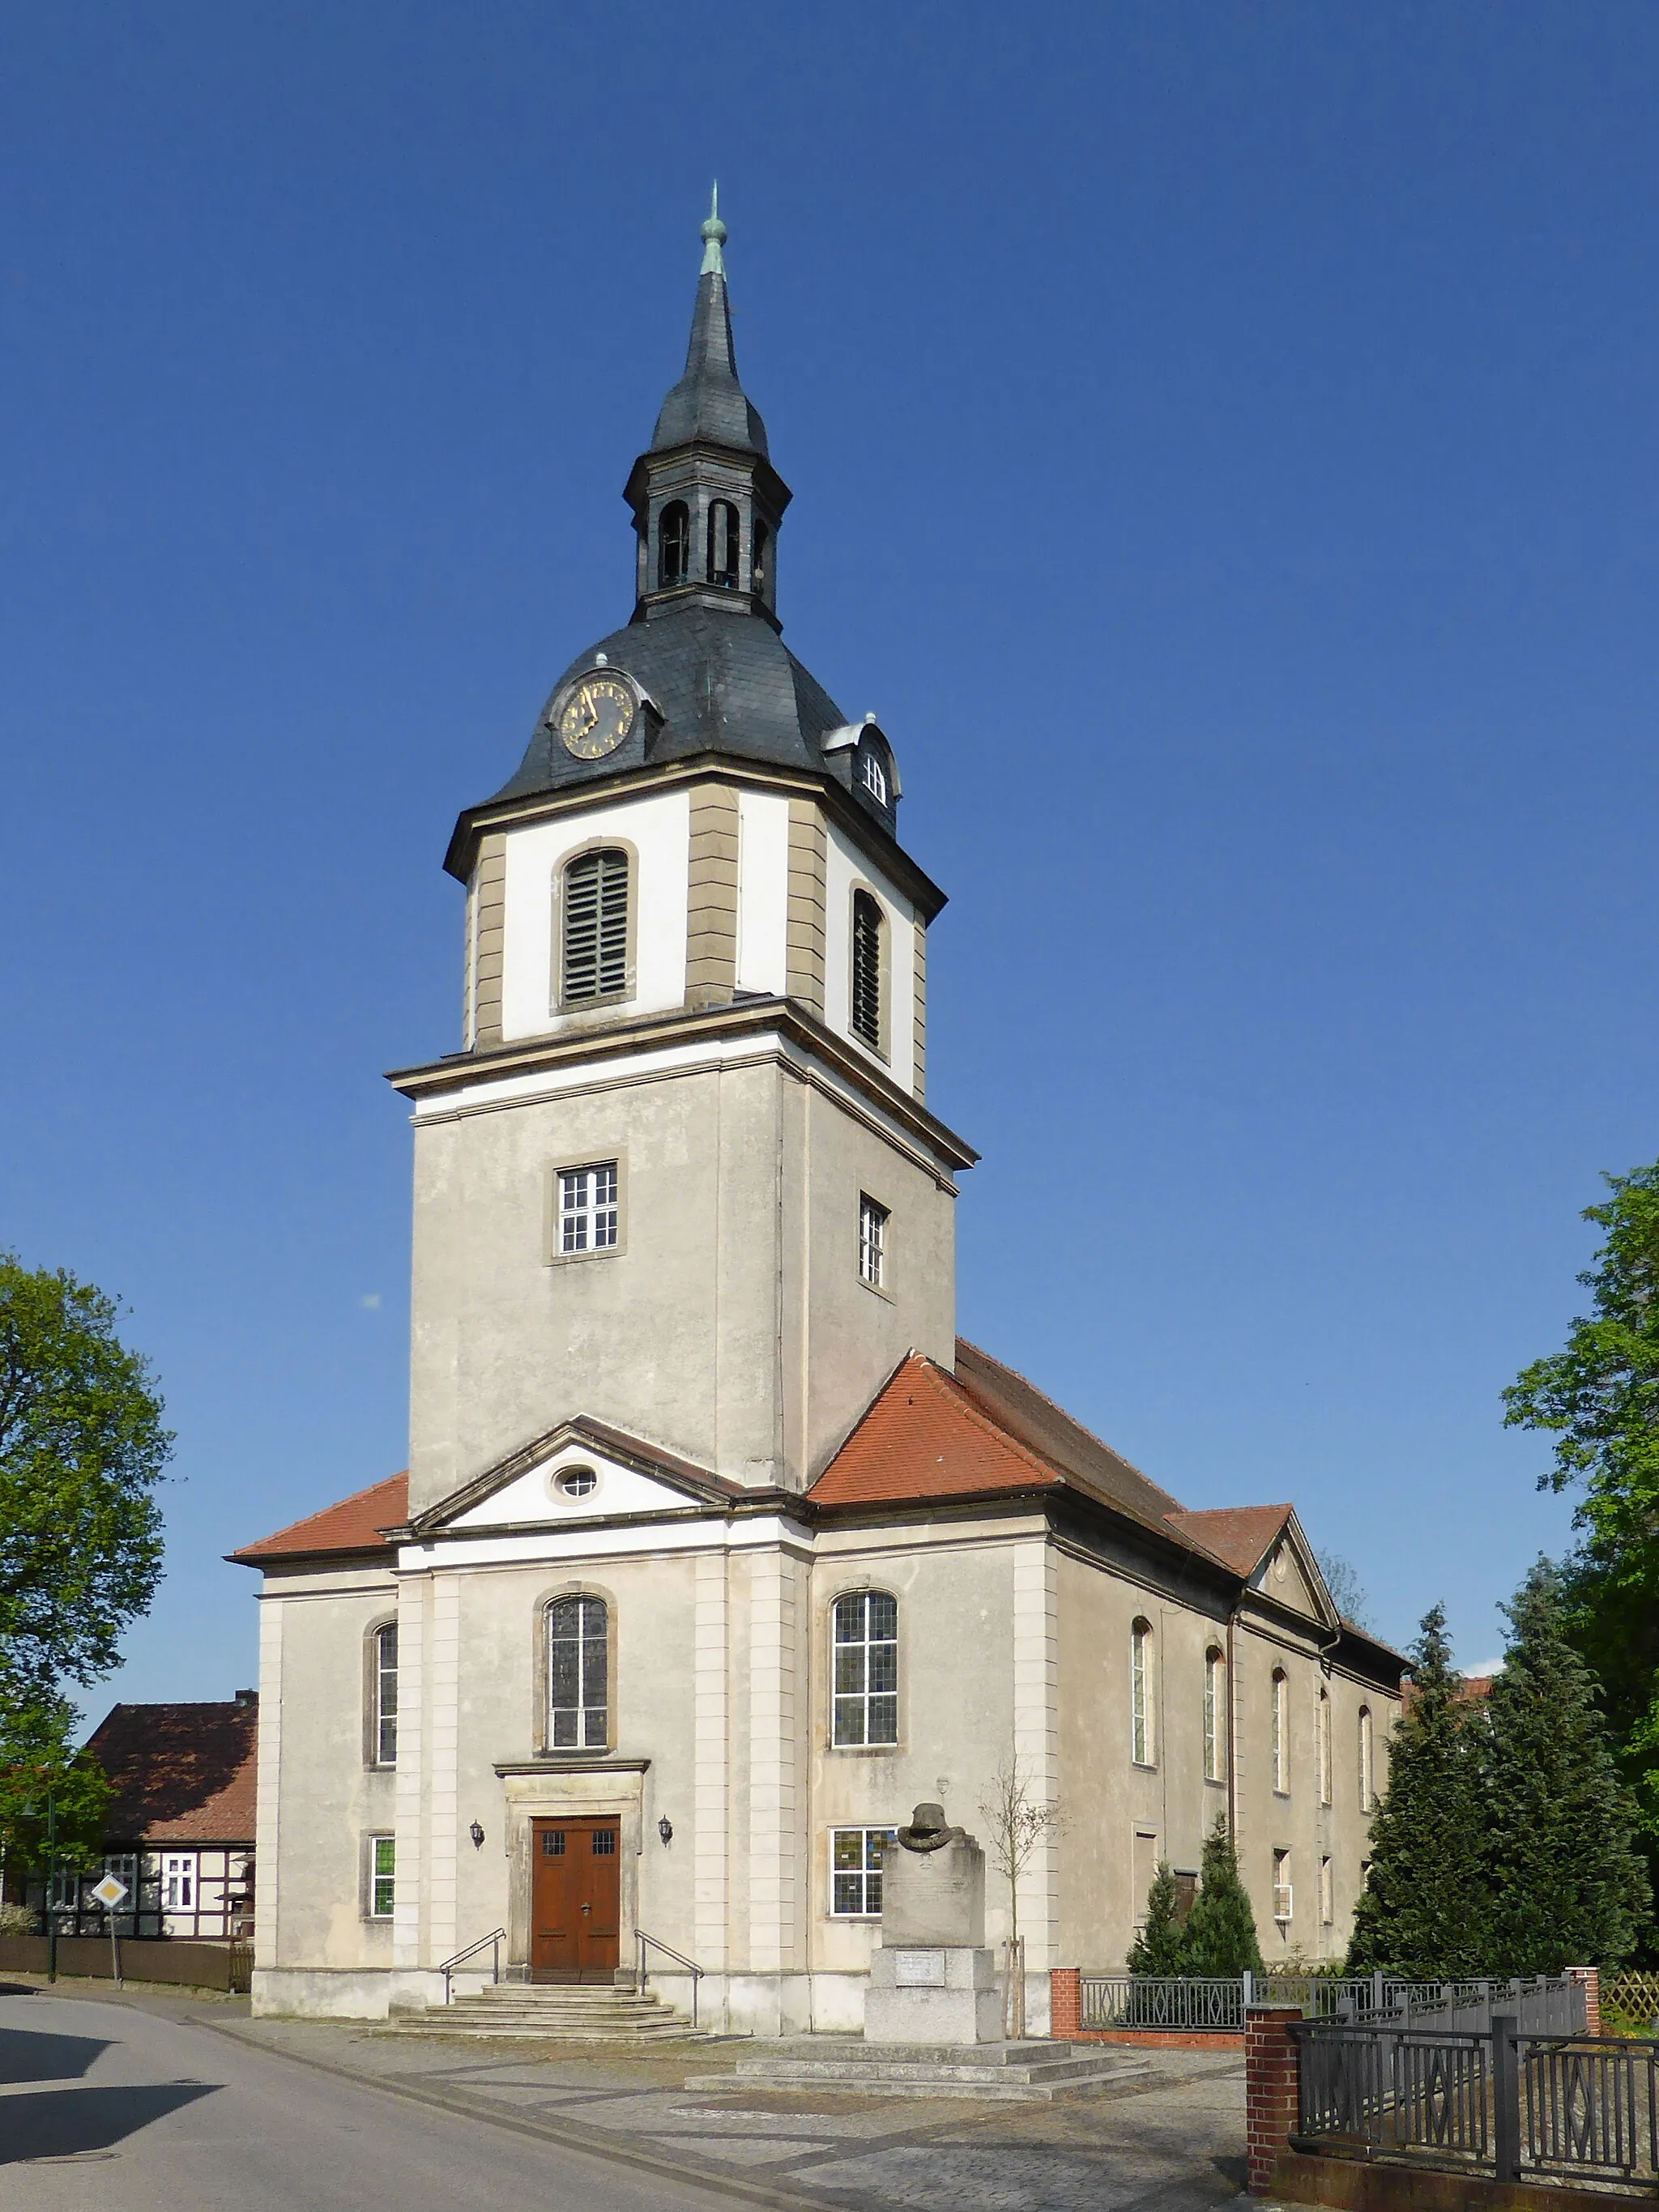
(596, 716)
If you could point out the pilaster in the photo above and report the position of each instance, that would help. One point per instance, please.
(775, 1703)
(443, 1752)
(711, 1756)
(411, 1819)
(488, 932)
(808, 903)
(268, 1799)
(1036, 1737)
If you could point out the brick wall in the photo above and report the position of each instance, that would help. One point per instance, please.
(1591, 1979)
(1064, 2003)
(1273, 2084)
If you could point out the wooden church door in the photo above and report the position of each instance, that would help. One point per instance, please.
(575, 1900)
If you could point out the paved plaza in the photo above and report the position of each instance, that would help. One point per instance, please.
(1170, 2141)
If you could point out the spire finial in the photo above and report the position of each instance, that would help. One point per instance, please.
(714, 237)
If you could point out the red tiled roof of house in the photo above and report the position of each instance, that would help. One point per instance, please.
(353, 1525)
(1238, 1535)
(924, 1438)
(183, 1774)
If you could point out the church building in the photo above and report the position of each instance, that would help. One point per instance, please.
(719, 1550)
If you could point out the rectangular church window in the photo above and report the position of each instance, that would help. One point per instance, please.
(855, 1857)
(872, 1241)
(578, 1668)
(382, 1876)
(865, 1657)
(588, 1210)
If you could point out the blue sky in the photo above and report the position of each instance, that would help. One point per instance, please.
(1223, 444)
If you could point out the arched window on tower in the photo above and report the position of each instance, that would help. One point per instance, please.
(866, 969)
(673, 544)
(760, 560)
(595, 926)
(723, 545)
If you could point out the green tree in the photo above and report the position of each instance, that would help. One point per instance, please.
(1160, 1946)
(1568, 1887)
(82, 1449)
(40, 1763)
(1423, 1912)
(1220, 1932)
(1599, 1398)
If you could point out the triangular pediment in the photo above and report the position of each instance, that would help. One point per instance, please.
(581, 1471)
(1289, 1574)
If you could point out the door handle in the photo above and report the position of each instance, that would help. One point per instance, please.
(587, 1908)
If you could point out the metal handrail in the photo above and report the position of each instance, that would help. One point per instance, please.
(680, 1959)
(496, 1938)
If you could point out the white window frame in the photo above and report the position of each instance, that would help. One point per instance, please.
(861, 1881)
(1324, 1747)
(589, 1718)
(1215, 1715)
(589, 1212)
(1367, 1773)
(1281, 1733)
(379, 1876)
(1327, 1893)
(181, 1867)
(384, 1715)
(1283, 1899)
(1143, 1699)
(873, 1217)
(874, 777)
(864, 1669)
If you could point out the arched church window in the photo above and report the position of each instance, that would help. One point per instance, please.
(1324, 1747)
(866, 969)
(723, 545)
(1281, 1728)
(595, 933)
(673, 544)
(1143, 1745)
(578, 1674)
(1367, 1778)
(383, 1695)
(760, 558)
(866, 1696)
(1215, 1717)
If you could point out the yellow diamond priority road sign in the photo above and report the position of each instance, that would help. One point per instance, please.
(109, 1892)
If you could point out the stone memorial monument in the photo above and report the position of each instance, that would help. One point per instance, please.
(932, 1979)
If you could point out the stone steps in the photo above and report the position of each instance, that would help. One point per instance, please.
(1032, 2071)
(560, 2011)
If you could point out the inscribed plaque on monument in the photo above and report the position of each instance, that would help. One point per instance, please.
(919, 1970)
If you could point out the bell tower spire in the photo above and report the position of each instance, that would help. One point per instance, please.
(706, 501)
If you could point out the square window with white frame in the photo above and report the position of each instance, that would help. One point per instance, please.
(873, 1218)
(855, 1861)
(589, 1209)
(382, 1876)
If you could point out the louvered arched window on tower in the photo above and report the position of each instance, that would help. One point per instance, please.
(723, 545)
(866, 969)
(595, 934)
(673, 545)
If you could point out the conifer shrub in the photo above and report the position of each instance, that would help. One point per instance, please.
(1219, 1937)
(1160, 1946)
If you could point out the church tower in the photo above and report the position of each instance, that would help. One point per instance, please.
(681, 1179)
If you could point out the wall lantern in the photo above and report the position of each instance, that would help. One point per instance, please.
(665, 1829)
(476, 1833)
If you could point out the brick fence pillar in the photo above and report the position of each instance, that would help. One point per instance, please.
(1064, 2001)
(1273, 2086)
(1590, 1977)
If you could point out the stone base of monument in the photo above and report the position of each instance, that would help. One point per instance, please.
(1031, 2072)
(931, 1993)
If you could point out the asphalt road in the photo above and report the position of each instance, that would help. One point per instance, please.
(109, 2108)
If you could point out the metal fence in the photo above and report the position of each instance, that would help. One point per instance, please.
(1551, 2004)
(1500, 2101)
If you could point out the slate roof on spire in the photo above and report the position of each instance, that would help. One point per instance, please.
(708, 403)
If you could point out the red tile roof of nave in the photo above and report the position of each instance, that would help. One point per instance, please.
(353, 1525)
(183, 1774)
(924, 1438)
(1238, 1535)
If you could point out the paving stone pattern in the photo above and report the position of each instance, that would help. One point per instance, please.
(1168, 2141)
